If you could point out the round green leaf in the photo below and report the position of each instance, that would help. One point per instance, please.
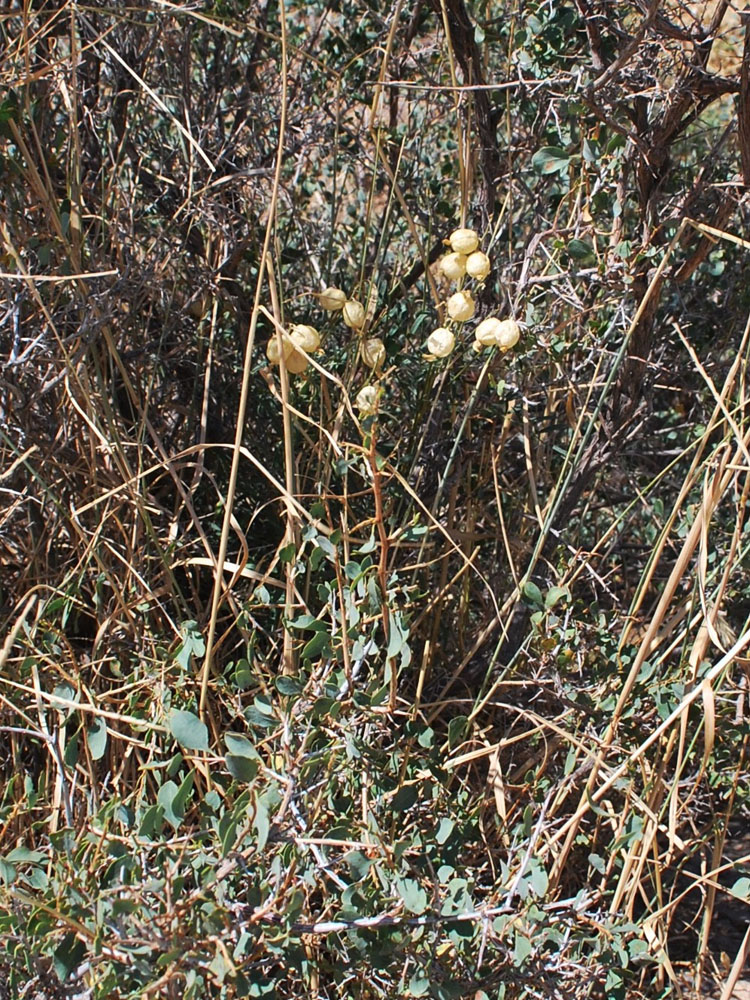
(97, 738)
(188, 730)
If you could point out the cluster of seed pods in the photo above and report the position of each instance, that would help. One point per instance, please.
(463, 261)
(466, 260)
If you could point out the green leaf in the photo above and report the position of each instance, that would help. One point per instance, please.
(66, 692)
(613, 983)
(353, 570)
(413, 895)
(240, 746)
(638, 949)
(426, 738)
(220, 967)
(319, 643)
(359, 865)
(243, 676)
(397, 637)
(369, 546)
(419, 985)
(71, 752)
(97, 738)
(538, 879)
(456, 729)
(185, 791)
(286, 554)
(151, 821)
(590, 151)
(550, 160)
(262, 822)
(24, 855)
(741, 889)
(188, 730)
(263, 704)
(414, 533)
(404, 798)
(227, 832)
(555, 595)
(63, 841)
(7, 873)
(168, 799)
(241, 768)
(533, 594)
(193, 644)
(444, 830)
(308, 622)
(581, 250)
(68, 956)
(290, 687)
(521, 950)
(326, 547)
(257, 718)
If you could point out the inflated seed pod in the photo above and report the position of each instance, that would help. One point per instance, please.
(461, 306)
(508, 334)
(306, 337)
(372, 352)
(486, 331)
(464, 240)
(478, 265)
(354, 314)
(272, 348)
(296, 362)
(332, 299)
(367, 400)
(441, 342)
(453, 266)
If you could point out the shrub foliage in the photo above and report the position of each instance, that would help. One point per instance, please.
(439, 690)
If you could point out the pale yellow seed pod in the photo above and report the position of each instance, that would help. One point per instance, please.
(354, 314)
(508, 334)
(296, 362)
(306, 337)
(367, 400)
(441, 342)
(272, 348)
(486, 332)
(453, 266)
(478, 265)
(463, 241)
(332, 299)
(461, 306)
(372, 352)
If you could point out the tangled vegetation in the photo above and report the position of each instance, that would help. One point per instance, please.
(375, 473)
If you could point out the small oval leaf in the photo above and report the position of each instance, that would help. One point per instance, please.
(97, 738)
(188, 730)
(240, 746)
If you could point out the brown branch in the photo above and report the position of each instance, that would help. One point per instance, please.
(629, 51)
(593, 34)
(469, 58)
(707, 243)
(743, 111)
